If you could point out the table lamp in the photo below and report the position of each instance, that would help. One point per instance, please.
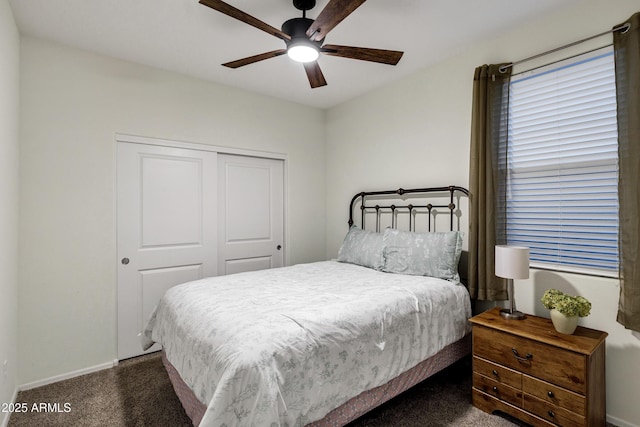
(512, 262)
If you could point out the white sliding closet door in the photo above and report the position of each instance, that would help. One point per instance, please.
(184, 214)
(250, 213)
(167, 229)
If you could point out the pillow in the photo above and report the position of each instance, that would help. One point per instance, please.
(423, 254)
(363, 248)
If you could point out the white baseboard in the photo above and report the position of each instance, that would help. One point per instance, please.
(5, 418)
(68, 375)
(618, 422)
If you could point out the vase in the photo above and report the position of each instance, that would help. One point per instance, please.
(563, 324)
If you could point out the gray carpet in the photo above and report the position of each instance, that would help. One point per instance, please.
(138, 393)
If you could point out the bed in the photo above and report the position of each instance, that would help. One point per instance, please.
(322, 343)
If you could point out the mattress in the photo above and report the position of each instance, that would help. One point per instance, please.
(286, 346)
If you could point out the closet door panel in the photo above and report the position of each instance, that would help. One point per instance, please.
(166, 229)
(250, 213)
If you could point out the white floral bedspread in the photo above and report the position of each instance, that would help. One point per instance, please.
(283, 347)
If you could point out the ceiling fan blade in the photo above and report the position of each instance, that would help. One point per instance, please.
(382, 56)
(231, 11)
(255, 58)
(333, 13)
(314, 73)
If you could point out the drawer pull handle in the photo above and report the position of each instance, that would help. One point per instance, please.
(495, 389)
(527, 358)
(550, 394)
(551, 414)
(494, 372)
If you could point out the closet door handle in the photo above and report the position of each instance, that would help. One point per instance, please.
(279, 247)
(125, 261)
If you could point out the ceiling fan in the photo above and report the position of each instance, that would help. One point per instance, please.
(303, 37)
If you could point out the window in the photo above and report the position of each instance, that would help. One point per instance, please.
(562, 158)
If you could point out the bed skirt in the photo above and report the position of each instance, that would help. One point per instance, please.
(353, 408)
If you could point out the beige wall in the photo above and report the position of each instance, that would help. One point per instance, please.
(72, 104)
(9, 83)
(415, 132)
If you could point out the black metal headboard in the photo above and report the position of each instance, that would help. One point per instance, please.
(400, 201)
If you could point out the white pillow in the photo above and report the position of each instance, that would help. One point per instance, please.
(423, 254)
(363, 248)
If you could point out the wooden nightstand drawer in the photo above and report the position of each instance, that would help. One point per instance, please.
(554, 395)
(553, 413)
(498, 390)
(497, 373)
(561, 367)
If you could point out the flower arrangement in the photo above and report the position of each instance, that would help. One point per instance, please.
(566, 304)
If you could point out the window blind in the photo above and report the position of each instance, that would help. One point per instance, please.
(562, 157)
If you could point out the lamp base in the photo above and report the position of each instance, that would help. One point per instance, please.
(512, 315)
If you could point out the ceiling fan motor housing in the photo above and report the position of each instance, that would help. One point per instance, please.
(297, 29)
(304, 4)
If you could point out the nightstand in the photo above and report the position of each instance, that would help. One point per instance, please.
(528, 370)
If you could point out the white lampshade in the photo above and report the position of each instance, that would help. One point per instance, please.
(512, 262)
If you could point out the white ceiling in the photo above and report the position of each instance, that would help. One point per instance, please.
(187, 37)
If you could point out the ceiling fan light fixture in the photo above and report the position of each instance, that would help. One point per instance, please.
(302, 52)
(304, 37)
